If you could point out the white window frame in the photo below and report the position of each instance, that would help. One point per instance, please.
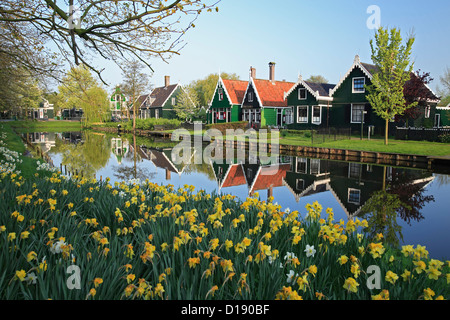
(353, 85)
(320, 114)
(301, 120)
(289, 113)
(174, 101)
(297, 182)
(250, 97)
(427, 112)
(300, 95)
(301, 161)
(351, 112)
(156, 113)
(358, 191)
(220, 91)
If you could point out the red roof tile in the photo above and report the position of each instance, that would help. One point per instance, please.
(234, 177)
(270, 176)
(271, 93)
(236, 89)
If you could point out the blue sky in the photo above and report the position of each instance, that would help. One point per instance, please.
(302, 37)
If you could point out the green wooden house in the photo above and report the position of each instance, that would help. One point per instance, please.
(442, 116)
(311, 104)
(160, 102)
(226, 103)
(118, 104)
(350, 105)
(264, 104)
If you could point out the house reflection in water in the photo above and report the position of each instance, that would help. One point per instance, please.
(162, 158)
(120, 148)
(46, 140)
(351, 184)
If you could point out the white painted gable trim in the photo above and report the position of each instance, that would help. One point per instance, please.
(356, 64)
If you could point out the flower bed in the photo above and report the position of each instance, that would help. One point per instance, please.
(146, 241)
(75, 238)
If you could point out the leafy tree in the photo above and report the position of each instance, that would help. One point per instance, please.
(109, 29)
(135, 83)
(317, 79)
(393, 61)
(205, 87)
(79, 89)
(445, 93)
(415, 90)
(187, 103)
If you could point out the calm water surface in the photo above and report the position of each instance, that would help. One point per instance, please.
(350, 189)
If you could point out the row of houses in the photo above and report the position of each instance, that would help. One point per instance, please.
(159, 103)
(306, 105)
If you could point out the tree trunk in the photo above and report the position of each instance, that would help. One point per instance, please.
(386, 133)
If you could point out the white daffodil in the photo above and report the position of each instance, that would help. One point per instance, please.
(291, 276)
(31, 278)
(310, 251)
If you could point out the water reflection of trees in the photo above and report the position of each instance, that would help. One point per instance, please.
(402, 198)
(87, 157)
(127, 172)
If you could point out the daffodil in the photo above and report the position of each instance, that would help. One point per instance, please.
(391, 277)
(428, 294)
(291, 276)
(21, 274)
(310, 251)
(351, 285)
(343, 260)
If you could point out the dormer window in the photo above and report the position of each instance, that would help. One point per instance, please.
(301, 94)
(358, 85)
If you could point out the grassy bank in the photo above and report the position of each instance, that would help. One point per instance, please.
(47, 126)
(15, 149)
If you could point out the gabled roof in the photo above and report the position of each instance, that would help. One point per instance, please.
(320, 91)
(270, 93)
(157, 98)
(234, 89)
(367, 69)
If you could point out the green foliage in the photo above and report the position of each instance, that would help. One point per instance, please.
(205, 87)
(80, 90)
(149, 124)
(444, 138)
(187, 106)
(393, 61)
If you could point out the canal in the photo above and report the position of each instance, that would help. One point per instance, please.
(409, 206)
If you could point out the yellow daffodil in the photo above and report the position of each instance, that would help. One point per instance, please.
(351, 285)
(21, 274)
(391, 277)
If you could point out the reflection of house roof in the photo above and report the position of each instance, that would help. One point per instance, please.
(233, 177)
(316, 187)
(269, 176)
(160, 160)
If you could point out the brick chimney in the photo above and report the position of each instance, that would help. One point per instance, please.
(167, 81)
(272, 71)
(252, 72)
